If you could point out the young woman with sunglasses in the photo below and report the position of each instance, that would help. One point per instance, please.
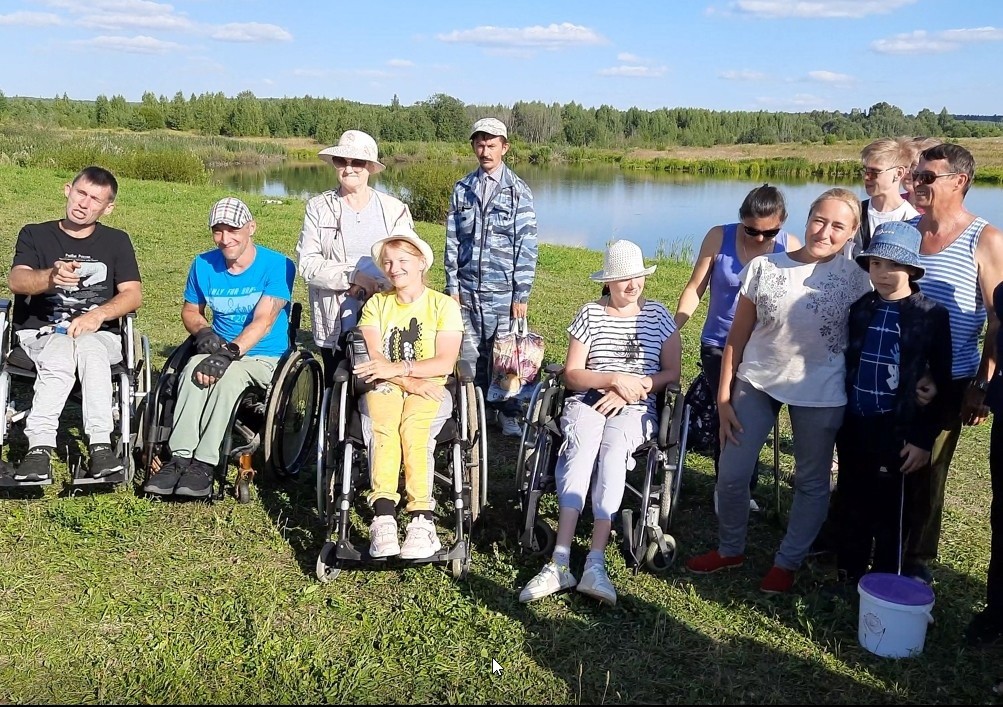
(725, 250)
(786, 347)
(339, 229)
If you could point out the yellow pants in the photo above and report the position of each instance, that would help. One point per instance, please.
(400, 427)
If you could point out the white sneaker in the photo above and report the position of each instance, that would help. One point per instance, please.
(549, 580)
(753, 506)
(595, 583)
(421, 541)
(510, 425)
(383, 540)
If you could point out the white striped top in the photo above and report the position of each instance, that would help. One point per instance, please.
(624, 344)
(952, 278)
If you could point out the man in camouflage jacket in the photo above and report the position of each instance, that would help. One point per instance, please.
(490, 250)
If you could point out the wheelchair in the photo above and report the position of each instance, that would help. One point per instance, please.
(645, 530)
(343, 472)
(131, 382)
(279, 422)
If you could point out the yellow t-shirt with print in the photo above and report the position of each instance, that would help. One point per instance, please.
(408, 330)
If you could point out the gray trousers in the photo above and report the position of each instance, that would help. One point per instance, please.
(202, 415)
(59, 361)
(486, 315)
(814, 438)
(590, 436)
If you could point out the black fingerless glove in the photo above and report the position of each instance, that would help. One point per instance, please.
(208, 342)
(213, 366)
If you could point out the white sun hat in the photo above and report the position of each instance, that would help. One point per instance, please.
(623, 261)
(354, 145)
(403, 233)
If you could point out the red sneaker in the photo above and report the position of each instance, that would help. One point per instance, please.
(777, 581)
(713, 562)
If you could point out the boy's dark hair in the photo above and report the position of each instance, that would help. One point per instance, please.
(763, 202)
(958, 159)
(99, 177)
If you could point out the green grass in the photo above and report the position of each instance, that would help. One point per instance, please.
(117, 599)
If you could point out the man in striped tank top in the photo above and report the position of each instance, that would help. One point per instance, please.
(963, 258)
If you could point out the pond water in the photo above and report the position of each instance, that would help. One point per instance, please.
(591, 205)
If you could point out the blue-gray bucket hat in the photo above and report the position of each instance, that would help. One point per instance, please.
(897, 241)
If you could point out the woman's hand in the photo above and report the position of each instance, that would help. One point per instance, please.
(913, 458)
(926, 390)
(378, 370)
(609, 404)
(627, 387)
(729, 424)
(426, 389)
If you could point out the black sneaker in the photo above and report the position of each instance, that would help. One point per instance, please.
(163, 482)
(104, 462)
(36, 465)
(985, 629)
(196, 482)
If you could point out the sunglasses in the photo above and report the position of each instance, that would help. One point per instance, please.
(871, 173)
(928, 178)
(768, 233)
(357, 164)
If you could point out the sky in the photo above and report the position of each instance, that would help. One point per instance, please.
(776, 55)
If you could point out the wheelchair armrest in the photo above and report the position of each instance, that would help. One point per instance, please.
(342, 373)
(464, 371)
(554, 369)
(5, 305)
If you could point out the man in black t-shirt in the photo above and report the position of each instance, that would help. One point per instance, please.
(77, 277)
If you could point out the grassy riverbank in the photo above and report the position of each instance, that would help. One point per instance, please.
(118, 599)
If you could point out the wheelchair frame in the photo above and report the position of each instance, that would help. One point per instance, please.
(646, 539)
(341, 454)
(258, 421)
(133, 374)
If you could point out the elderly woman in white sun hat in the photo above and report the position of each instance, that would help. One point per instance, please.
(622, 349)
(339, 230)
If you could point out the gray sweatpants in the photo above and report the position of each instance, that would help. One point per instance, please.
(588, 436)
(814, 438)
(202, 415)
(59, 360)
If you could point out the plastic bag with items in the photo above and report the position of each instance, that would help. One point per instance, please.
(517, 357)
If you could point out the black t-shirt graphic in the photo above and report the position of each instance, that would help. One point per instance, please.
(106, 259)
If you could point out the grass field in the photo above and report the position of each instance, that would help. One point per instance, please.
(115, 598)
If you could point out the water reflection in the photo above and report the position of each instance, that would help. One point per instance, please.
(589, 205)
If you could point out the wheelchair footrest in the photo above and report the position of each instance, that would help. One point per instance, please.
(116, 478)
(8, 482)
(345, 550)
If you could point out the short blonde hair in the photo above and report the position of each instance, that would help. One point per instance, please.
(839, 194)
(888, 151)
(409, 248)
(916, 145)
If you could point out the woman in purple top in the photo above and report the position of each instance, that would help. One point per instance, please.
(724, 252)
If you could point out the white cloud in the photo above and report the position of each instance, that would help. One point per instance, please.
(975, 34)
(554, 36)
(31, 19)
(140, 44)
(250, 32)
(145, 7)
(814, 9)
(118, 21)
(742, 75)
(400, 63)
(830, 77)
(635, 72)
(629, 58)
(913, 43)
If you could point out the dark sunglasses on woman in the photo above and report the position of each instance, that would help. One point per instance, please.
(342, 162)
(768, 233)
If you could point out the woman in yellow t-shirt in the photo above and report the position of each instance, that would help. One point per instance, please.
(413, 336)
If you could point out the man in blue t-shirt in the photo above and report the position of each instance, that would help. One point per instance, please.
(248, 288)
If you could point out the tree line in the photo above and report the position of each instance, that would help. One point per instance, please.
(445, 118)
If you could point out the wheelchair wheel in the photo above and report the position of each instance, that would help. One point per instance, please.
(474, 460)
(783, 482)
(543, 541)
(325, 571)
(291, 416)
(459, 568)
(672, 479)
(657, 561)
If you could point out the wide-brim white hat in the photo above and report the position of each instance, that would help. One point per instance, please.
(354, 145)
(623, 260)
(403, 233)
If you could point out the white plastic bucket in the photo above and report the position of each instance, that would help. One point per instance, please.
(894, 614)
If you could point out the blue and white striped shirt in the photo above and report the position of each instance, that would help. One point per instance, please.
(952, 279)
